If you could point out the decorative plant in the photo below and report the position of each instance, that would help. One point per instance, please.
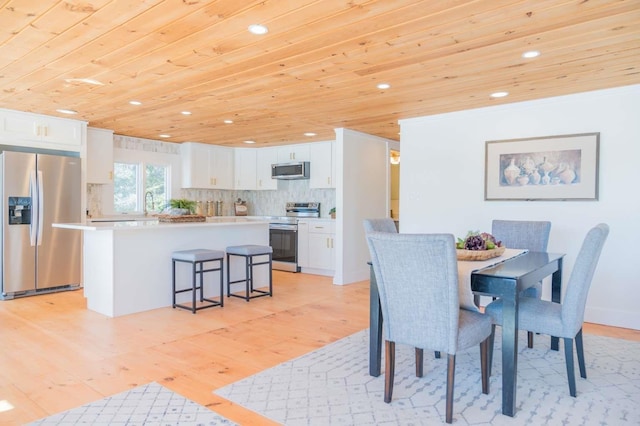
(332, 212)
(183, 203)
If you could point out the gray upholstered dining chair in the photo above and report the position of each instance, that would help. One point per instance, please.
(524, 234)
(562, 320)
(384, 225)
(417, 277)
(379, 225)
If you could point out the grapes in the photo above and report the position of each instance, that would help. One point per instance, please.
(478, 241)
(475, 242)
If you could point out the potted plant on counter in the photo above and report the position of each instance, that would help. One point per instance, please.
(332, 213)
(180, 206)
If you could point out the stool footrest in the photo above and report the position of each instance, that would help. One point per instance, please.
(211, 304)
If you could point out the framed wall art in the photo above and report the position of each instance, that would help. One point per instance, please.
(563, 167)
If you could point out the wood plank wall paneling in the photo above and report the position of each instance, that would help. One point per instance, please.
(315, 70)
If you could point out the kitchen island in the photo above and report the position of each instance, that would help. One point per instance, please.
(127, 265)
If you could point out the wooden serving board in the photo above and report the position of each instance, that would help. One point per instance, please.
(479, 254)
(181, 218)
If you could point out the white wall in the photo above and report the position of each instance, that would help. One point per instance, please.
(362, 191)
(442, 184)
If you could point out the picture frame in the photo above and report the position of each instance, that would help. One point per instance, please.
(548, 168)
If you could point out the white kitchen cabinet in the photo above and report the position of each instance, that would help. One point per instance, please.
(321, 236)
(303, 243)
(291, 153)
(206, 166)
(323, 171)
(99, 156)
(245, 168)
(265, 157)
(195, 165)
(23, 128)
(220, 167)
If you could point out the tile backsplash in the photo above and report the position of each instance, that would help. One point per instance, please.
(267, 203)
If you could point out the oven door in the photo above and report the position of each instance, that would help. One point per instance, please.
(283, 239)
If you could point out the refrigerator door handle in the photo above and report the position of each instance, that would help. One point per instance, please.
(33, 191)
(40, 187)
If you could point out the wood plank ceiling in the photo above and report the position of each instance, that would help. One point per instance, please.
(315, 70)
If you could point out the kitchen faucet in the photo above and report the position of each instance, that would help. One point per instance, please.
(146, 196)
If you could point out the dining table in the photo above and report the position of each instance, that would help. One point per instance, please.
(505, 280)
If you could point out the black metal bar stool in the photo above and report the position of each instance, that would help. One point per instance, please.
(198, 257)
(249, 252)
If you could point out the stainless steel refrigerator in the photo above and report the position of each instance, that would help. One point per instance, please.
(37, 190)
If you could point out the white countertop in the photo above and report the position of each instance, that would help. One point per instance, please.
(155, 224)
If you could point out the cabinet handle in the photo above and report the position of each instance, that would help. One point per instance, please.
(329, 180)
(331, 242)
(110, 175)
(37, 129)
(319, 227)
(44, 131)
(328, 243)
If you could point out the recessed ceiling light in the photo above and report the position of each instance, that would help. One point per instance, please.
(499, 94)
(67, 111)
(186, 113)
(164, 135)
(228, 121)
(531, 54)
(310, 134)
(135, 102)
(383, 86)
(249, 141)
(258, 29)
(84, 80)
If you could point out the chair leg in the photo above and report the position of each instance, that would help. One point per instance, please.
(529, 339)
(389, 370)
(492, 338)
(451, 369)
(568, 356)
(580, 353)
(419, 362)
(484, 356)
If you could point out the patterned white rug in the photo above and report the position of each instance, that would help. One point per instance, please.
(150, 404)
(331, 386)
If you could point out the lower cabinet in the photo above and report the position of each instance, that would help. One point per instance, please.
(316, 244)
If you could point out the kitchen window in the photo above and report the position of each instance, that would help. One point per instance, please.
(140, 187)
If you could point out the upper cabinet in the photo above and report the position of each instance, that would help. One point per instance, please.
(245, 168)
(41, 131)
(206, 166)
(291, 153)
(99, 161)
(215, 167)
(323, 170)
(265, 157)
(220, 167)
(195, 165)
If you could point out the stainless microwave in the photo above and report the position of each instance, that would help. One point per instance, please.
(297, 170)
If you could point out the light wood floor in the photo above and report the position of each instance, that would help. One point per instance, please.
(56, 355)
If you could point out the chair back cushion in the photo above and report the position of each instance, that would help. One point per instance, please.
(379, 225)
(580, 280)
(417, 280)
(522, 234)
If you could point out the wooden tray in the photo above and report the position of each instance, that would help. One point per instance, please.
(479, 254)
(181, 218)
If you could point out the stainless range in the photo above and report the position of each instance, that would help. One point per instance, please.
(283, 234)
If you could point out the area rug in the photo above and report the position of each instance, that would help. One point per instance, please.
(150, 404)
(331, 386)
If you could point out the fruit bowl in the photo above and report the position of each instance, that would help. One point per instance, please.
(463, 254)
